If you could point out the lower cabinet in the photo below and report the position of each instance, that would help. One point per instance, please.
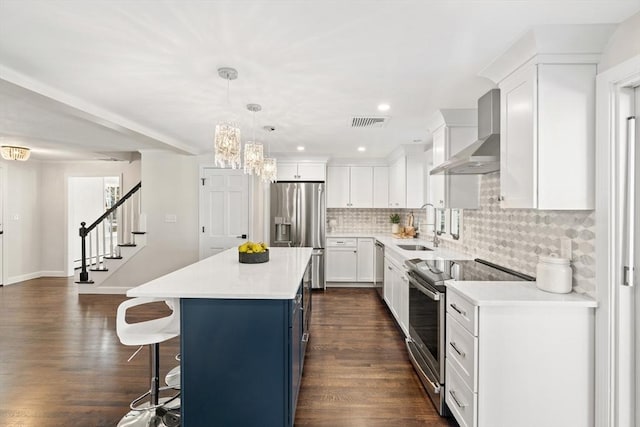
(396, 291)
(350, 259)
(241, 361)
(515, 364)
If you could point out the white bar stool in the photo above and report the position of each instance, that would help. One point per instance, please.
(156, 412)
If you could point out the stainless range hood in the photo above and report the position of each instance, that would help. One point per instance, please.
(483, 156)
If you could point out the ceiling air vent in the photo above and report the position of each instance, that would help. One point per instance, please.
(369, 122)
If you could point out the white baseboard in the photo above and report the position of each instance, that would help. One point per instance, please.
(35, 275)
(53, 273)
(22, 277)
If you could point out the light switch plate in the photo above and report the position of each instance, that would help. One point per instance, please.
(565, 248)
(170, 218)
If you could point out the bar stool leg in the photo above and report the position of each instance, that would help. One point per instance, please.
(154, 361)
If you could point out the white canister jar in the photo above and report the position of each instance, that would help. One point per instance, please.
(553, 274)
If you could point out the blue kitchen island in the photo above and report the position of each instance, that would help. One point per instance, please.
(244, 330)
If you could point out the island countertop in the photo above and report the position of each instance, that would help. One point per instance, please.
(221, 276)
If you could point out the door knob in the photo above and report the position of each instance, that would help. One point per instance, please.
(242, 236)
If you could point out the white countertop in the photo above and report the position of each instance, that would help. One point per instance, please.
(391, 243)
(221, 276)
(515, 294)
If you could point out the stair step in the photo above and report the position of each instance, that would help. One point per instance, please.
(88, 281)
(127, 245)
(98, 269)
(138, 232)
(113, 257)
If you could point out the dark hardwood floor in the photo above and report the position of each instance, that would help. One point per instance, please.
(61, 363)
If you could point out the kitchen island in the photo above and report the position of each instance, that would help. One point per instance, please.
(243, 336)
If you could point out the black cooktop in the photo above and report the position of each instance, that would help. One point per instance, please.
(435, 272)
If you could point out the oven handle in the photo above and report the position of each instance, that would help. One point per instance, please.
(435, 386)
(433, 295)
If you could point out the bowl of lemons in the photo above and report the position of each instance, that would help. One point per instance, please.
(253, 253)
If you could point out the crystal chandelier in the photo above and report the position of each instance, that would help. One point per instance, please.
(269, 166)
(227, 143)
(253, 150)
(10, 152)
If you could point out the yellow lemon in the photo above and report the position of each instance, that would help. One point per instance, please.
(256, 247)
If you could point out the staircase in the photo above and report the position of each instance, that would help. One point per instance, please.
(109, 242)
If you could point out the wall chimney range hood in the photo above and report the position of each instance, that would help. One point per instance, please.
(482, 156)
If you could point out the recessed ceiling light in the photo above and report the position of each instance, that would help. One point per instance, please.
(362, 149)
(300, 148)
(383, 107)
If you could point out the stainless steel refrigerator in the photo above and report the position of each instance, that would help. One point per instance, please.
(297, 218)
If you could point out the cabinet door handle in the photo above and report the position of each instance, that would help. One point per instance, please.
(501, 198)
(453, 345)
(462, 312)
(305, 337)
(388, 267)
(455, 399)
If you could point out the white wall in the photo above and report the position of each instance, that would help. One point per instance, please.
(624, 44)
(169, 187)
(21, 221)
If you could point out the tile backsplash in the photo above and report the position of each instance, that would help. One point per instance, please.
(510, 237)
(368, 220)
(516, 237)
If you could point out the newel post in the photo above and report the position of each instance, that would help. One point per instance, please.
(84, 274)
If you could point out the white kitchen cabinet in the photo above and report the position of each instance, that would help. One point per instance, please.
(453, 191)
(366, 254)
(338, 191)
(547, 137)
(342, 260)
(396, 291)
(380, 186)
(350, 187)
(350, 259)
(301, 171)
(398, 183)
(519, 363)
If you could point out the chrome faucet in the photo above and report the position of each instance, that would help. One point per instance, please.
(436, 240)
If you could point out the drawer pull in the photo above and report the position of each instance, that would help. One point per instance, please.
(462, 312)
(455, 399)
(461, 353)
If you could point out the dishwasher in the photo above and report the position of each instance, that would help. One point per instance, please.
(378, 268)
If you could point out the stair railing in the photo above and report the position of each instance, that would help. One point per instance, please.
(121, 217)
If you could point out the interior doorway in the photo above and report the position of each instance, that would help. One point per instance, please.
(89, 197)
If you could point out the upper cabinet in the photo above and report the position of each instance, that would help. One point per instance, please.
(380, 186)
(406, 178)
(452, 131)
(350, 187)
(301, 171)
(547, 137)
(547, 109)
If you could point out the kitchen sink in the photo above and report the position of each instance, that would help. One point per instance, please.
(414, 248)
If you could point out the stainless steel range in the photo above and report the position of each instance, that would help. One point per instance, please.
(427, 308)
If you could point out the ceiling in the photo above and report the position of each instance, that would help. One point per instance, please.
(110, 76)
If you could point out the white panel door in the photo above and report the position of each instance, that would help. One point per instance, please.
(338, 187)
(341, 264)
(439, 156)
(224, 210)
(361, 188)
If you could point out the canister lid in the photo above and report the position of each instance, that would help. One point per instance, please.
(553, 259)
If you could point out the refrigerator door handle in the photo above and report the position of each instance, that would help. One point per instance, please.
(629, 208)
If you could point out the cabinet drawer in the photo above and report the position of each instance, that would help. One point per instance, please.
(337, 242)
(463, 311)
(462, 350)
(460, 399)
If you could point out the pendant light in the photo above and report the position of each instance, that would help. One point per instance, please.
(269, 166)
(253, 150)
(227, 144)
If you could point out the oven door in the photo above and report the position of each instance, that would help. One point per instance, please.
(426, 339)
